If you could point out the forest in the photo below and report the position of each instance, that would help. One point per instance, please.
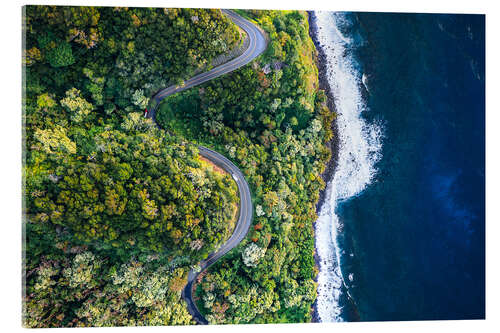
(117, 210)
(272, 120)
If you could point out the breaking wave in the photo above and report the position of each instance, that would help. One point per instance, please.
(360, 146)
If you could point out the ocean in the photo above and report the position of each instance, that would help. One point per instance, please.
(401, 232)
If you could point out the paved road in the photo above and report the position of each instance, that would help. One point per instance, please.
(240, 231)
(257, 45)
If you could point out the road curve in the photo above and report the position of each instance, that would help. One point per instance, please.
(240, 231)
(257, 45)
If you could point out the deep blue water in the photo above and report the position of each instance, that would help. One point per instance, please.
(417, 232)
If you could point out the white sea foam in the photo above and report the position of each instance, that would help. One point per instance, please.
(359, 150)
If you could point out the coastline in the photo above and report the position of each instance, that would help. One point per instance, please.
(333, 144)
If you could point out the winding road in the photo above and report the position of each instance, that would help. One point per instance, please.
(257, 44)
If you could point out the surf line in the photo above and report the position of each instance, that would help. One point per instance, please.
(359, 150)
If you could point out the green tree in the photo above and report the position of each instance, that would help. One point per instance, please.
(77, 106)
(60, 55)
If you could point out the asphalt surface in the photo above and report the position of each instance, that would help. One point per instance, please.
(240, 231)
(257, 45)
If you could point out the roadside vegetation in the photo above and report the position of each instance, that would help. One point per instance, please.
(271, 119)
(116, 210)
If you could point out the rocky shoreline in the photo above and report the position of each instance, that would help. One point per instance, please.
(333, 144)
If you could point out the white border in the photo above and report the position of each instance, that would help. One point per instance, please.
(11, 151)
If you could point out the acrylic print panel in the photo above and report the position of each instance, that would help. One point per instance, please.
(196, 166)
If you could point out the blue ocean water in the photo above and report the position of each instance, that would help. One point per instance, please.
(410, 242)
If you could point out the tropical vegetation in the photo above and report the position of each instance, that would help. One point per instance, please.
(117, 211)
(271, 119)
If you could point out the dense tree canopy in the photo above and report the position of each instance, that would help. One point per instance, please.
(135, 191)
(272, 121)
(112, 53)
(117, 211)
